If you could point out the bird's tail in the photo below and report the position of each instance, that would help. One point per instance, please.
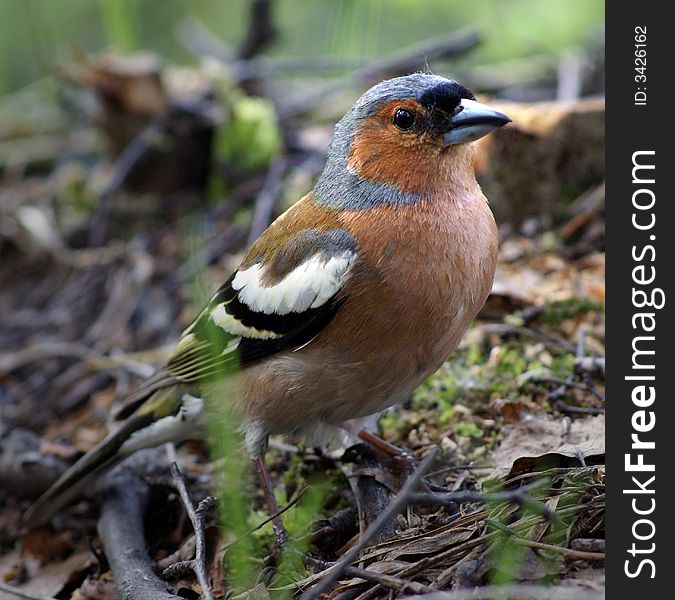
(167, 415)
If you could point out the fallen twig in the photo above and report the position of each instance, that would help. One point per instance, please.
(405, 61)
(549, 340)
(569, 383)
(198, 563)
(569, 553)
(121, 529)
(388, 581)
(519, 496)
(400, 501)
(10, 361)
(521, 591)
(266, 200)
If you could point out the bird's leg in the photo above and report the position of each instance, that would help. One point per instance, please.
(398, 455)
(280, 534)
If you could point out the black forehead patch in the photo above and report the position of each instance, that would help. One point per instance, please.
(445, 96)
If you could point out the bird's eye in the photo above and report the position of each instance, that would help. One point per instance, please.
(403, 119)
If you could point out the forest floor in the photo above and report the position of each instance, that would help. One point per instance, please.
(97, 279)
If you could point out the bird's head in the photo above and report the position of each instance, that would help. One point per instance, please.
(401, 138)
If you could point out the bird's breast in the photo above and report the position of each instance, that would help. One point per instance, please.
(425, 271)
(419, 279)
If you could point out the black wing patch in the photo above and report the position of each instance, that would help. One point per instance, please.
(248, 320)
(292, 330)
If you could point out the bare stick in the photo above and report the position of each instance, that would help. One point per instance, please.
(261, 31)
(400, 501)
(121, 529)
(531, 592)
(549, 340)
(267, 198)
(135, 151)
(198, 564)
(567, 383)
(391, 582)
(299, 496)
(519, 496)
(569, 553)
(407, 60)
(9, 361)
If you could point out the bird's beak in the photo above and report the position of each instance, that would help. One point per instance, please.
(473, 122)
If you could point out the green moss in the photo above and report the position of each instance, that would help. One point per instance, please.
(252, 137)
(474, 355)
(468, 429)
(512, 362)
(563, 365)
(562, 310)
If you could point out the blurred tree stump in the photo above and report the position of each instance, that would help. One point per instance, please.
(551, 154)
(168, 114)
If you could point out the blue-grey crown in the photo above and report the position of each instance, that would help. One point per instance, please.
(340, 188)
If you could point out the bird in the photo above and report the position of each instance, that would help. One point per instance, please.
(346, 303)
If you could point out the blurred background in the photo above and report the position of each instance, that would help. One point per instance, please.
(35, 34)
(81, 80)
(144, 144)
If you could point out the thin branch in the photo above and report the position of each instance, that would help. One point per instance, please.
(563, 407)
(136, 150)
(121, 529)
(405, 61)
(524, 591)
(569, 553)
(568, 383)
(388, 581)
(262, 30)
(519, 496)
(400, 501)
(9, 361)
(280, 512)
(549, 340)
(198, 564)
(267, 198)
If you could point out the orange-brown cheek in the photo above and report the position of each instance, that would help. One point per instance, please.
(381, 153)
(385, 158)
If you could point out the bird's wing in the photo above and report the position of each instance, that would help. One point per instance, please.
(274, 303)
(276, 300)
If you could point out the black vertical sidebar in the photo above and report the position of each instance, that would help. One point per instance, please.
(640, 270)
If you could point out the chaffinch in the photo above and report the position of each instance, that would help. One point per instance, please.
(349, 300)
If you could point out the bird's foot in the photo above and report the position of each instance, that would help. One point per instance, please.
(403, 463)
